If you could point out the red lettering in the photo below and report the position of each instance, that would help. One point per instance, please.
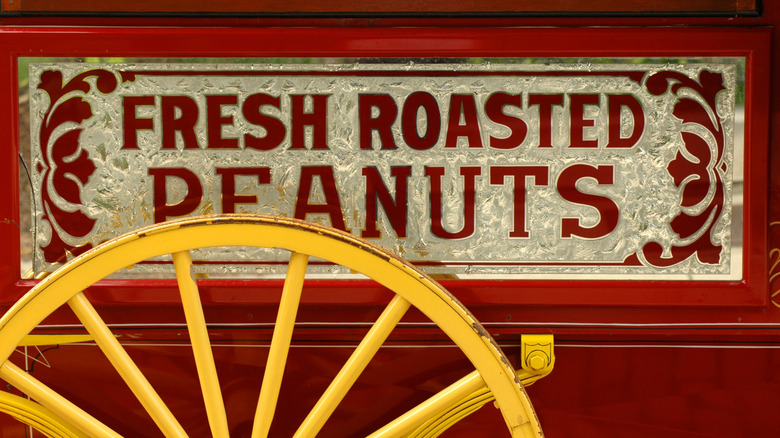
(616, 104)
(376, 190)
(184, 123)
(332, 205)
(469, 197)
(131, 122)
(215, 121)
(577, 104)
(518, 129)
(545, 102)
(463, 104)
(191, 201)
(229, 196)
(608, 210)
(275, 130)
(317, 119)
(519, 174)
(411, 108)
(382, 123)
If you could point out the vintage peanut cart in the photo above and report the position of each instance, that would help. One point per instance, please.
(348, 219)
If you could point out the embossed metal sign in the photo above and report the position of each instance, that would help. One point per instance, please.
(622, 169)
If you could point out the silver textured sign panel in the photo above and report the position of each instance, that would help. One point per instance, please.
(625, 169)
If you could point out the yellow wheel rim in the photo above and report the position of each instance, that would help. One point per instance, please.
(302, 239)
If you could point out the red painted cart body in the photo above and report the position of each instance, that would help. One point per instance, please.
(639, 358)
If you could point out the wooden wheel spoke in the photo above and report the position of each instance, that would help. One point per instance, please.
(56, 403)
(122, 362)
(354, 366)
(280, 344)
(201, 345)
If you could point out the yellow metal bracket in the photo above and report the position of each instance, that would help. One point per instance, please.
(538, 358)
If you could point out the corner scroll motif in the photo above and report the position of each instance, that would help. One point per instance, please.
(774, 271)
(66, 166)
(697, 169)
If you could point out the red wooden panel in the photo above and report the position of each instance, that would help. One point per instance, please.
(432, 42)
(633, 358)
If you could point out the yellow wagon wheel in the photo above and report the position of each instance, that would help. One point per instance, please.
(411, 287)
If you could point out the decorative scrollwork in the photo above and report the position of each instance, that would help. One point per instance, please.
(774, 272)
(65, 166)
(696, 170)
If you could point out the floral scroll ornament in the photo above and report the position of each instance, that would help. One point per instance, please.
(697, 168)
(65, 167)
(774, 271)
